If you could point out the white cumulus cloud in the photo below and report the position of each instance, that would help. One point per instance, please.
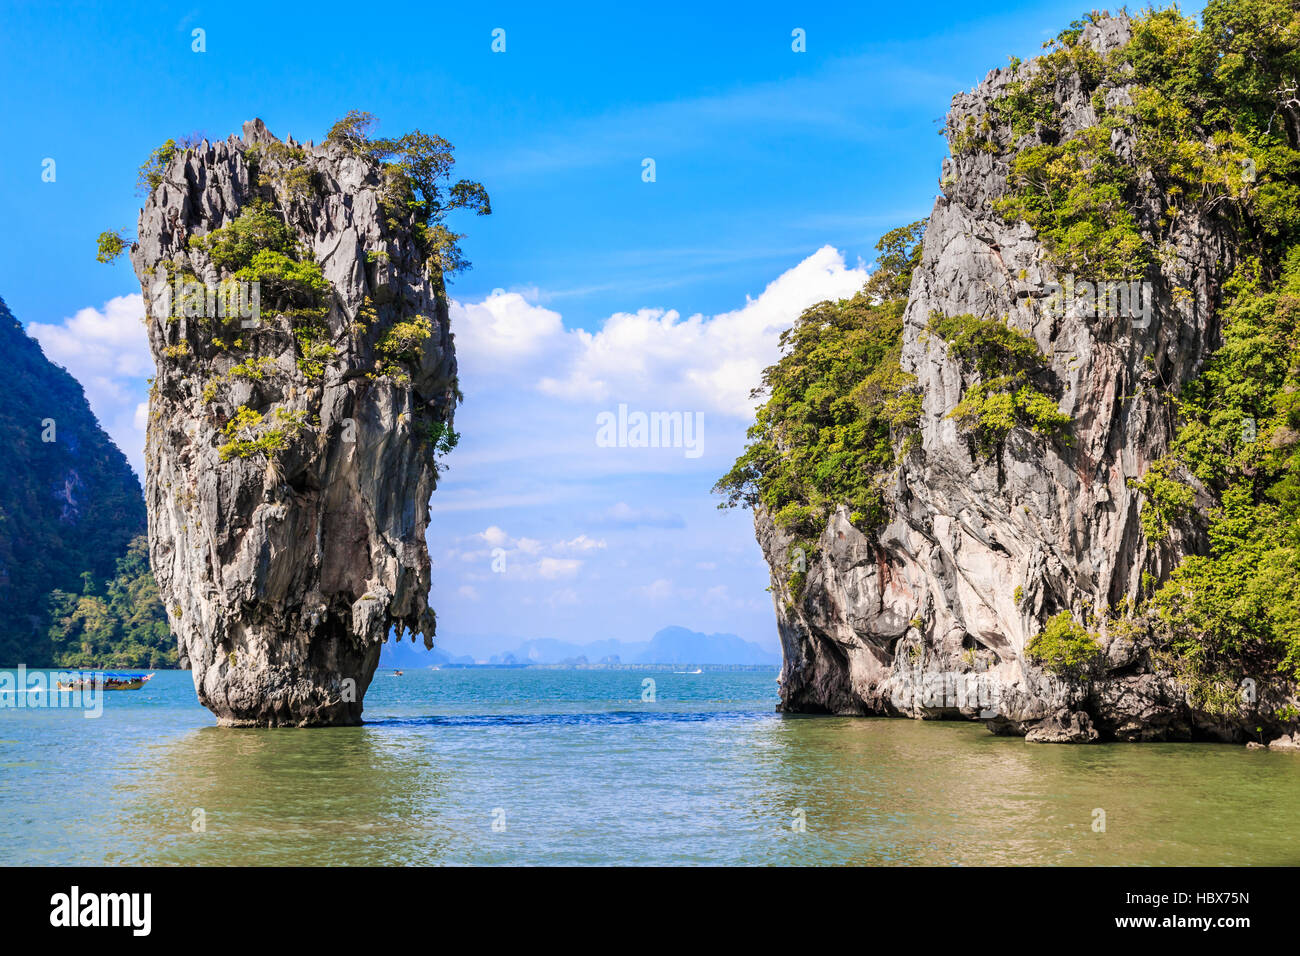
(107, 351)
(706, 363)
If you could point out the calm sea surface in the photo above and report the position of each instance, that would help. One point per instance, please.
(571, 767)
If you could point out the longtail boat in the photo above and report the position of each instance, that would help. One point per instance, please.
(108, 682)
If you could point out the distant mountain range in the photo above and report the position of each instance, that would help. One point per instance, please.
(672, 645)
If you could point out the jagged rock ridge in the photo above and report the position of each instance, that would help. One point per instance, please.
(290, 458)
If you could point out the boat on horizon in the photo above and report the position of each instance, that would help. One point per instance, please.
(108, 682)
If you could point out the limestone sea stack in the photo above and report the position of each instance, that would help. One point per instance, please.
(306, 377)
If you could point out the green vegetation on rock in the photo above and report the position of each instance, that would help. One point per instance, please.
(250, 433)
(111, 245)
(840, 409)
(402, 343)
(117, 623)
(417, 169)
(152, 169)
(1007, 363)
(1211, 118)
(1065, 647)
(1192, 121)
(441, 439)
(257, 246)
(1078, 196)
(291, 176)
(1236, 609)
(1196, 128)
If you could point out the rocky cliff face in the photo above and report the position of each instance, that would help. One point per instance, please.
(69, 502)
(933, 619)
(290, 454)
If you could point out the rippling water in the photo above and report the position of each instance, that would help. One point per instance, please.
(579, 770)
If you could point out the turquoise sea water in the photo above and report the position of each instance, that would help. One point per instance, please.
(572, 767)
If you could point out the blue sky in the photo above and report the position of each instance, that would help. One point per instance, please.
(775, 172)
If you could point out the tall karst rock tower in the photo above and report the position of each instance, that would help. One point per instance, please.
(306, 380)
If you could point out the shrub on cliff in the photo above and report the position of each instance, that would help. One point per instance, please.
(1078, 196)
(111, 244)
(1007, 395)
(1065, 648)
(152, 169)
(418, 170)
(258, 246)
(839, 407)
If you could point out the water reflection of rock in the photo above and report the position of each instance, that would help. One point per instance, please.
(886, 792)
(349, 796)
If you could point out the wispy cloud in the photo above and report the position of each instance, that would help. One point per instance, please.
(852, 99)
(623, 515)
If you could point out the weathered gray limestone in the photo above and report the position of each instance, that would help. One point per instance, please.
(283, 574)
(884, 628)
